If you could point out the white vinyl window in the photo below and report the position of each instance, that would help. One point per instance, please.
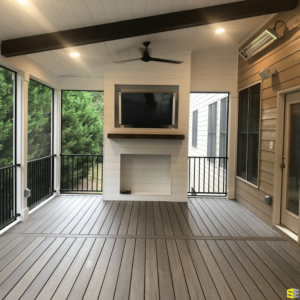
(248, 134)
(212, 130)
(195, 128)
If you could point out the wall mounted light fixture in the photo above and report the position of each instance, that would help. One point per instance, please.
(261, 42)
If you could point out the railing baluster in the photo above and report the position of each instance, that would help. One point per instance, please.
(77, 171)
(204, 176)
(68, 163)
(209, 166)
(189, 174)
(92, 173)
(225, 182)
(41, 180)
(199, 159)
(72, 172)
(194, 173)
(35, 182)
(1, 197)
(7, 196)
(214, 174)
(6, 182)
(62, 172)
(102, 167)
(210, 181)
(97, 174)
(87, 173)
(219, 176)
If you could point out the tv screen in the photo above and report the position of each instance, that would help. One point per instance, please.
(146, 110)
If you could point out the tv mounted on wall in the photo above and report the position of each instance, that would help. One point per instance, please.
(147, 110)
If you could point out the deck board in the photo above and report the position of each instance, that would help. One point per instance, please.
(86, 272)
(137, 288)
(81, 247)
(151, 273)
(124, 279)
(164, 272)
(57, 276)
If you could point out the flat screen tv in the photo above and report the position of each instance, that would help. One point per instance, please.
(146, 110)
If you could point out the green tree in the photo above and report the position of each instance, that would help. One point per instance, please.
(82, 127)
(6, 117)
(39, 120)
(82, 132)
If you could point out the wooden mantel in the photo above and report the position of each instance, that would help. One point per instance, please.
(134, 136)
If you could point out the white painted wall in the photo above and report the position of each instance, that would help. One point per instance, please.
(216, 71)
(138, 73)
(81, 83)
(146, 174)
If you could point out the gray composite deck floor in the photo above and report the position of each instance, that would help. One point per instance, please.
(80, 247)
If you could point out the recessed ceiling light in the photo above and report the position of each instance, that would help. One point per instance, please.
(23, 2)
(74, 54)
(220, 30)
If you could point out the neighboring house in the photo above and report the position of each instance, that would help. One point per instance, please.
(208, 141)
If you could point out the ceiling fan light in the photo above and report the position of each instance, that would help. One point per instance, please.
(74, 54)
(220, 30)
(23, 2)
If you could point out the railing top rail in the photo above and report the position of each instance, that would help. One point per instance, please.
(41, 158)
(223, 157)
(81, 155)
(9, 167)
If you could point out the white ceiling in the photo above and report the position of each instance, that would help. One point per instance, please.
(43, 16)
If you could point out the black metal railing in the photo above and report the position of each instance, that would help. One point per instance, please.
(81, 173)
(40, 180)
(207, 176)
(7, 195)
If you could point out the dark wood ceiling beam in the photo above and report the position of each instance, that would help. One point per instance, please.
(144, 26)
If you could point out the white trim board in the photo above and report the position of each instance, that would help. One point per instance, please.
(278, 154)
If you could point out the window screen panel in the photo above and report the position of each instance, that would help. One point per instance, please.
(7, 118)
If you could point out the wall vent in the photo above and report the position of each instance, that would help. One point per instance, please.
(261, 42)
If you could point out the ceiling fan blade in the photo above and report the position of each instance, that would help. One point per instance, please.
(166, 60)
(125, 61)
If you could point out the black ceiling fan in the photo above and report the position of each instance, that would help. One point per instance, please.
(146, 58)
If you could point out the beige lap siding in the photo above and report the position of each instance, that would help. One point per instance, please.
(284, 56)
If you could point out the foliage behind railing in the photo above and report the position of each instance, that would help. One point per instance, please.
(7, 196)
(40, 180)
(81, 173)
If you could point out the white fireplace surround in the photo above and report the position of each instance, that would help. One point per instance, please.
(141, 75)
(146, 174)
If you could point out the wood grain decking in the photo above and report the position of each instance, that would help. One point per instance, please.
(79, 247)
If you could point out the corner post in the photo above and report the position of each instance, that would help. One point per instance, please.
(57, 139)
(22, 136)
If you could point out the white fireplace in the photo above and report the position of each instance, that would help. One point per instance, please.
(146, 174)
